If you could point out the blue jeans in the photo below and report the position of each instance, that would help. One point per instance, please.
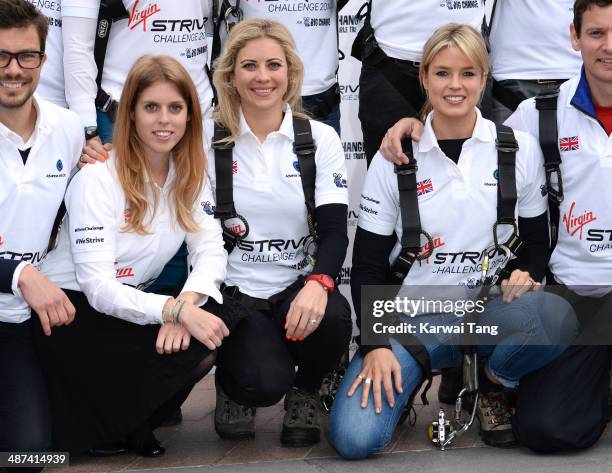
(357, 433)
(313, 103)
(105, 127)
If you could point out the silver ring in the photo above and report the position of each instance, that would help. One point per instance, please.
(368, 380)
(313, 321)
(359, 376)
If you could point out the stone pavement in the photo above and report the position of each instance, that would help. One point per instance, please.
(193, 446)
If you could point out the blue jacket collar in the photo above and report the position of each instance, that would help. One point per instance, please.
(582, 99)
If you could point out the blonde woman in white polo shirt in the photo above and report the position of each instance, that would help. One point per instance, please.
(108, 380)
(457, 199)
(258, 78)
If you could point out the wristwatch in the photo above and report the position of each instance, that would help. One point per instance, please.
(91, 132)
(326, 281)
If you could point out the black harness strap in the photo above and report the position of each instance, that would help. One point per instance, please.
(305, 148)
(411, 218)
(110, 12)
(547, 107)
(224, 191)
(365, 34)
(506, 190)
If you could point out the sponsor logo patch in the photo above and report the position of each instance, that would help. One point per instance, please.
(573, 223)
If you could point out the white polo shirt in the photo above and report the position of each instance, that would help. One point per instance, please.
(51, 85)
(402, 27)
(457, 203)
(111, 266)
(268, 193)
(30, 195)
(583, 255)
(313, 26)
(518, 53)
(153, 27)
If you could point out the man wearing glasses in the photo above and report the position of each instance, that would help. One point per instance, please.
(39, 145)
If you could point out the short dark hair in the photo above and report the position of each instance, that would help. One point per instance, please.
(580, 6)
(21, 14)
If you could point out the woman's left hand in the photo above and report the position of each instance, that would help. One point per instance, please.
(518, 284)
(306, 311)
(171, 338)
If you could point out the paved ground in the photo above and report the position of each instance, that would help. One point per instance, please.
(193, 446)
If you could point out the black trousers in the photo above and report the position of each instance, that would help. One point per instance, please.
(256, 363)
(564, 405)
(381, 105)
(25, 422)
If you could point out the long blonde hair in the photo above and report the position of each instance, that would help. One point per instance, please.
(228, 111)
(463, 37)
(188, 154)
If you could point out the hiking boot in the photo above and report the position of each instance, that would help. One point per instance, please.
(495, 416)
(301, 427)
(451, 383)
(232, 420)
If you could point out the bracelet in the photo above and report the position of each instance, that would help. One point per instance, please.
(178, 312)
(167, 313)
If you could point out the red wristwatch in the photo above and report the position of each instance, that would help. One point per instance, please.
(326, 281)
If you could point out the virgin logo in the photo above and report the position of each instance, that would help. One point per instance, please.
(438, 242)
(140, 16)
(574, 224)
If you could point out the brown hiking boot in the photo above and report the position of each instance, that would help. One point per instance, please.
(495, 416)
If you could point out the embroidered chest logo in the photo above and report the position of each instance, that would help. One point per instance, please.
(127, 215)
(208, 208)
(571, 143)
(140, 16)
(59, 165)
(1, 240)
(424, 187)
(338, 181)
(574, 224)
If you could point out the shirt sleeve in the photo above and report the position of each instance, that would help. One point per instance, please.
(531, 181)
(80, 70)
(379, 205)
(525, 118)
(8, 268)
(92, 225)
(331, 186)
(207, 255)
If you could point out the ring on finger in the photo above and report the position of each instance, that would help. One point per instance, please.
(368, 381)
(313, 321)
(83, 158)
(360, 377)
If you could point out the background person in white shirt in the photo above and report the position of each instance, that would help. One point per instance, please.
(530, 52)
(39, 144)
(458, 156)
(288, 321)
(314, 26)
(126, 218)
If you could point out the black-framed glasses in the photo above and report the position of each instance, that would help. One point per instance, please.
(25, 59)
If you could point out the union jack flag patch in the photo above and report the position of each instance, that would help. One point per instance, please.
(234, 167)
(424, 187)
(569, 144)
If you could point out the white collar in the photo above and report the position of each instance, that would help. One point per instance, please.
(286, 127)
(428, 141)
